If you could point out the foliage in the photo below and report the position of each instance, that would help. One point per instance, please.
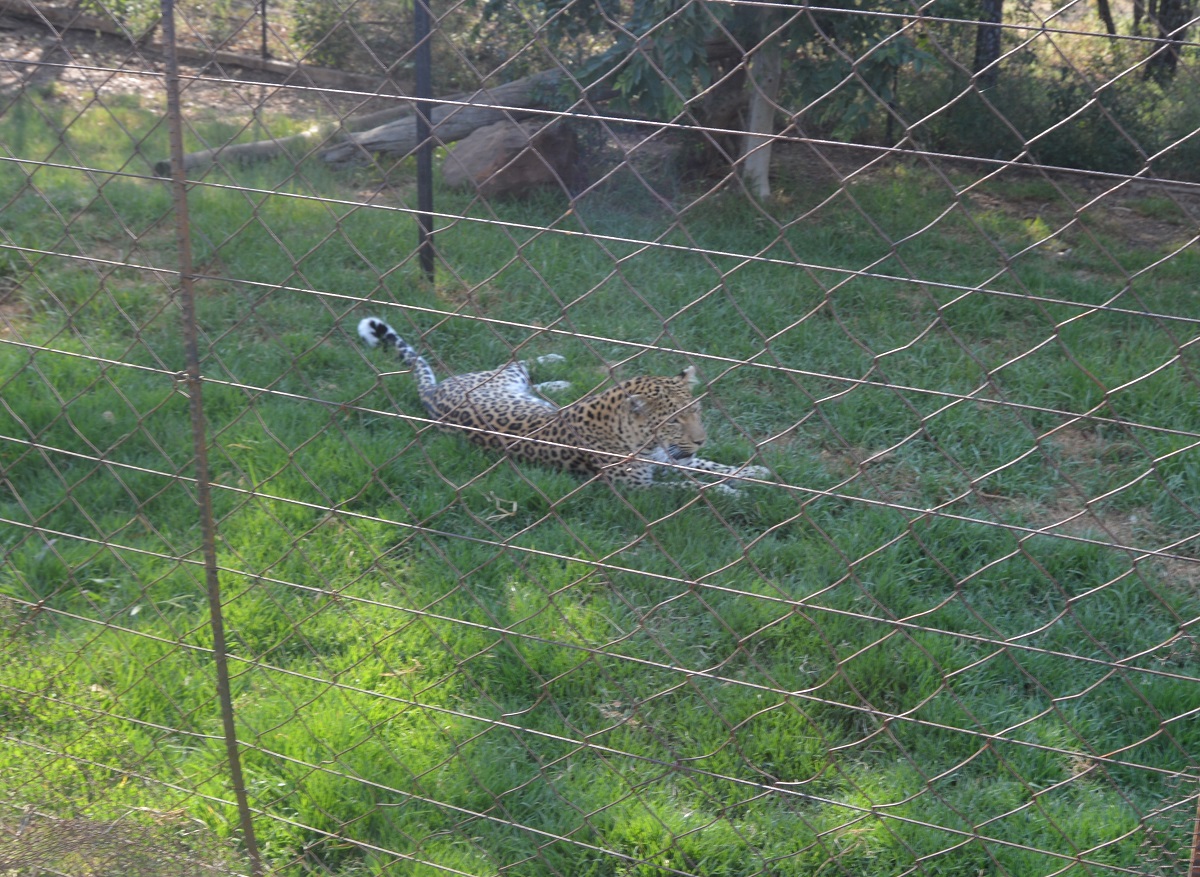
(376, 36)
(870, 79)
(326, 32)
(1088, 117)
(850, 72)
(657, 56)
(138, 16)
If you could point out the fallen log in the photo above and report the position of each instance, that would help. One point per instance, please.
(453, 118)
(243, 153)
(450, 120)
(265, 150)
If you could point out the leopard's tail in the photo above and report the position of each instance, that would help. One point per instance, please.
(376, 332)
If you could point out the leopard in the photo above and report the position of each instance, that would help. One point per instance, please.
(636, 433)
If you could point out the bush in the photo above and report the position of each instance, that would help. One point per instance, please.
(325, 32)
(1057, 114)
(1078, 108)
(1175, 119)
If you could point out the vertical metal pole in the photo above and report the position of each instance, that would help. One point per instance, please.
(424, 106)
(1194, 869)
(191, 377)
(263, 12)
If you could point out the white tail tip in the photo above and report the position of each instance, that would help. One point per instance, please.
(372, 330)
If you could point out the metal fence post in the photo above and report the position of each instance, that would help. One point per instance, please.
(191, 377)
(424, 106)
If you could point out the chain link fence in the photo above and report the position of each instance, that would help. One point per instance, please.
(936, 266)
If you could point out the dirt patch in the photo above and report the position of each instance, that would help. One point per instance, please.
(1132, 226)
(11, 307)
(1142, 216)
(1153, 216)
(79, 67)
(1070, 513)
(1132, 528)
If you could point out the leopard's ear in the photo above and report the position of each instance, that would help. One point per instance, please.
(637, 404)
(689, 375)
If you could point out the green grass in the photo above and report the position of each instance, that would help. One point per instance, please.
(444, 656)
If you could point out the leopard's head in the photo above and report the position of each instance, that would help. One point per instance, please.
(663, 414)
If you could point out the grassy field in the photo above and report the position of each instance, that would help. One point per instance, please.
(935, 646)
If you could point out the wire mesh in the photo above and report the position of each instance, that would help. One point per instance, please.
(944, 626)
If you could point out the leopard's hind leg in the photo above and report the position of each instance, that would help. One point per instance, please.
(551, 386)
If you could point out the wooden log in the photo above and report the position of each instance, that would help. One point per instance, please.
(264, 150)
(450, 121)
(243, 153)
(453, 119)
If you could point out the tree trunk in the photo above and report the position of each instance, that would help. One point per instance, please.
(1105, 10)
(987, 42)
(765, 73)
(1171, 22)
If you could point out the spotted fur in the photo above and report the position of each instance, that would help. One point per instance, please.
(624, 433)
